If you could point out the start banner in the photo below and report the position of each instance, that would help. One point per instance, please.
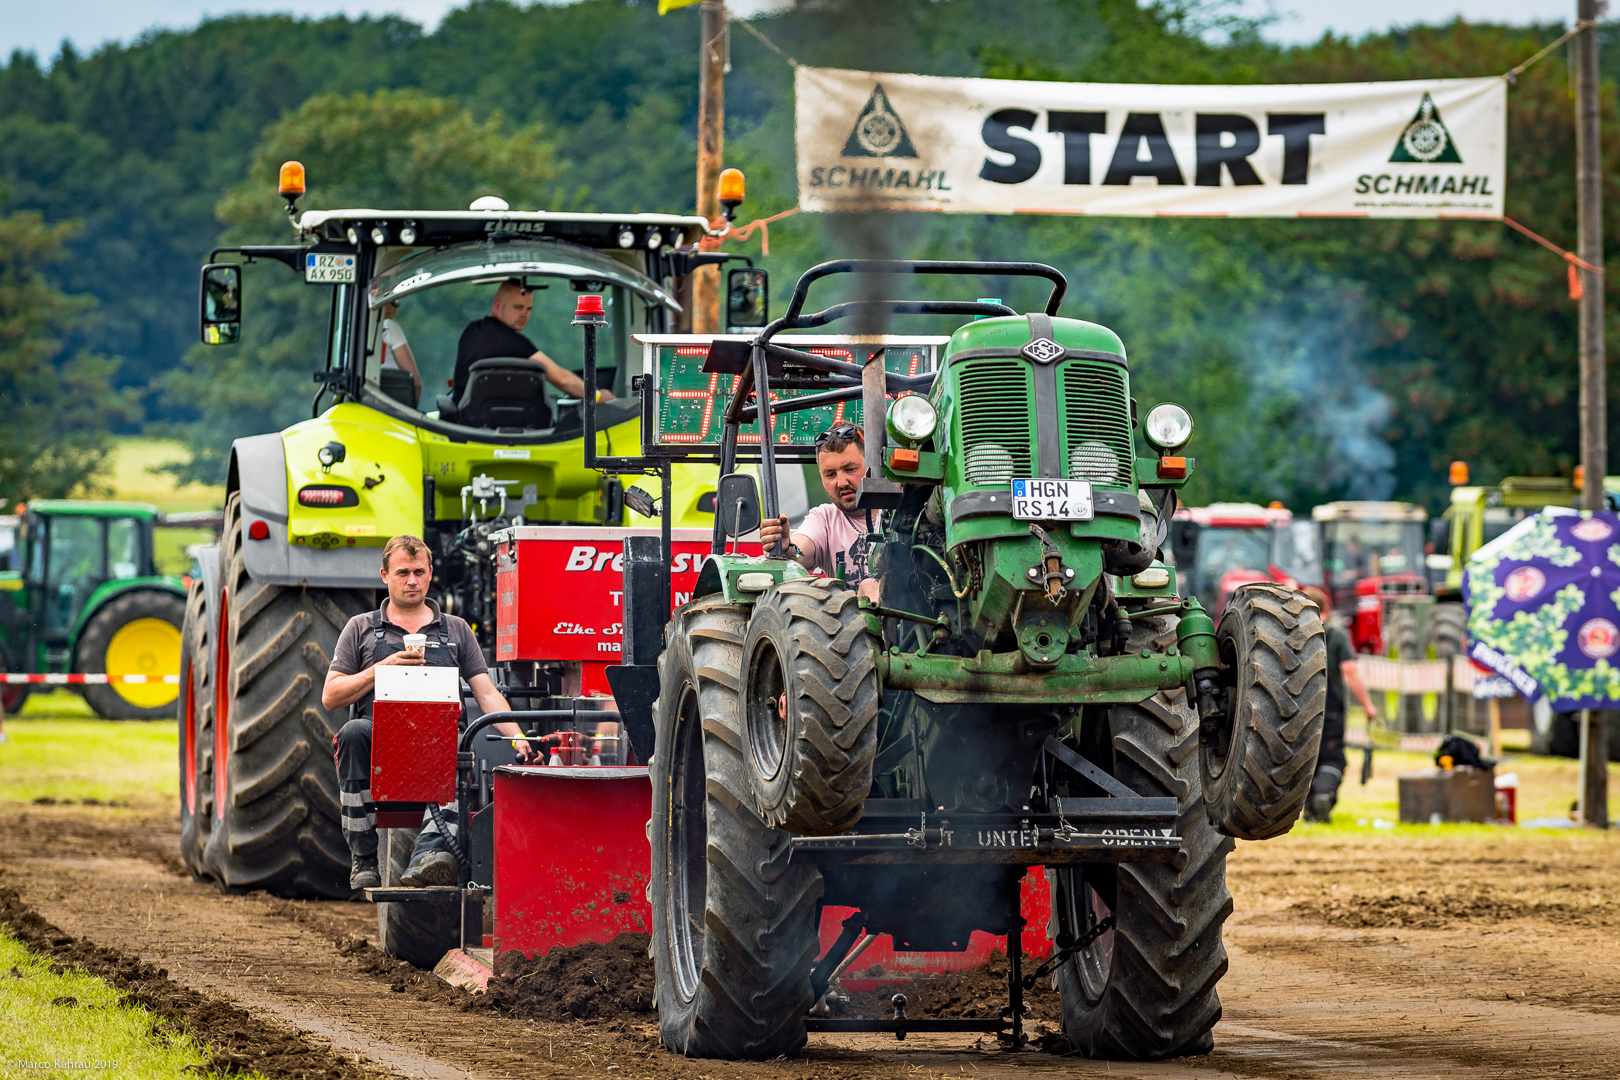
(1429, 148)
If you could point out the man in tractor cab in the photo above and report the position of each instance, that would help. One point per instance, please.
(1342, 672)
(834, 537)
(500, 334)
(368, 642)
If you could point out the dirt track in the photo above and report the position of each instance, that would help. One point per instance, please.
(1352, 955)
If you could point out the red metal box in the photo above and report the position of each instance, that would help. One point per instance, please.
(571, 857)
(415, 721)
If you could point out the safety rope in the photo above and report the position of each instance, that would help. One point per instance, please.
(763, 40)
(762, 224)
(85, 679)
(1511, 75)
(1569, 257)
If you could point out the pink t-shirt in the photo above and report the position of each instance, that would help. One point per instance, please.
(836, 537)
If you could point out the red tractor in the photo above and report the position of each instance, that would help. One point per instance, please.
(1373, 555)
(1375, 567)
(1219, 547)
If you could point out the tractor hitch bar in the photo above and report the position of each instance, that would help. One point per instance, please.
(1114, 829)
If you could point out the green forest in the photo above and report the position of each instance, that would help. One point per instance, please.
(1322, 359)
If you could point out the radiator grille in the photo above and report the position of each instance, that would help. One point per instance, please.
(1095, 417)
(997, 420)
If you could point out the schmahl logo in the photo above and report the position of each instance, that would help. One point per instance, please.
(878, 131)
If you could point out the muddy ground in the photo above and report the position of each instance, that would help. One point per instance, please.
(1353, 954)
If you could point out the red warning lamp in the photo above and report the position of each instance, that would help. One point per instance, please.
(1276, 504)
(589, 310)
(1459, 473)
(731, 192)
(292, 179)
(1580, 478)
(1172, 468)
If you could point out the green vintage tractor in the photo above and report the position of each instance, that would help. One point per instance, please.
(86, 599)
(1031, 691)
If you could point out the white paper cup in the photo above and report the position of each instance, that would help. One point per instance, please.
(415, 643)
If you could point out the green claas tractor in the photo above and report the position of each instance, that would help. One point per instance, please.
(1030, 691)
(308, 509)
(87, 606)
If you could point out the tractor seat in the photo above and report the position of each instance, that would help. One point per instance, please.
(501, 392)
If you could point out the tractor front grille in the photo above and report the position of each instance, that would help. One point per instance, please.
(1095, 420)
(998, 421)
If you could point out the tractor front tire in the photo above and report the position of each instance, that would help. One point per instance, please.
(137, 633)
(810, 764)
(276, 804)
(1146, 989)
(1257, 773)
(194, 709)
(734, 917)
(419, 932)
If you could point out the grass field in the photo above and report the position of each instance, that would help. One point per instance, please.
(70, 1024)
(130, 475)
(58, 749)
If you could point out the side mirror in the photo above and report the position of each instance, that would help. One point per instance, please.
(737, 503)
(748, 297)
(220, 305)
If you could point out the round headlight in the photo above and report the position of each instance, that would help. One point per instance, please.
(379, 236)
(1168, 427)
(407, 235)
(354, 236)
(911, 418)
(627, 238)
(655, 239)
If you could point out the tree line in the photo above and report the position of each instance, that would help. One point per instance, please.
(1322, 359)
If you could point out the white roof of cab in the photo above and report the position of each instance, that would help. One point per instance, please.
(314, 219)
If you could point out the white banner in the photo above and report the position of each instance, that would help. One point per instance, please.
(1430, 148)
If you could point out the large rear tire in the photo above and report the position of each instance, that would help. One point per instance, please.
(419, 933)
(276, 810)
(1146, 989)
(807, 647)
(193, 709)
(734, 917)
(1256, 773)
(137, 633)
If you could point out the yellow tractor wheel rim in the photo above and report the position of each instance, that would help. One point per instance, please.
(149, 647)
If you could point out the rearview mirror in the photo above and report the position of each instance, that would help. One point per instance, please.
(737, 503)
(748, 297)
(221, 304)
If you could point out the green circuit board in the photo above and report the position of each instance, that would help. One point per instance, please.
(692, 403)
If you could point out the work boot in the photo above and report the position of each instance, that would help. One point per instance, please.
(1320, 807)
(434, 868)
(363, 873)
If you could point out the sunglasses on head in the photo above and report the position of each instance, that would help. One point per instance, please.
(842, 430)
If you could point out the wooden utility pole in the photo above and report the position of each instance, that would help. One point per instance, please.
(711, 157)
(1594, 413)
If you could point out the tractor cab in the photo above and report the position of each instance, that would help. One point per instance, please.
(1372, 553)
(1221, 547)
(86, 597)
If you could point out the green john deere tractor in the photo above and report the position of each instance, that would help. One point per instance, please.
(86, 599)
(308, 509)
(1031, 691)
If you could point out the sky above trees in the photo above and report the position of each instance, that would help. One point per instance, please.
(41, 28)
